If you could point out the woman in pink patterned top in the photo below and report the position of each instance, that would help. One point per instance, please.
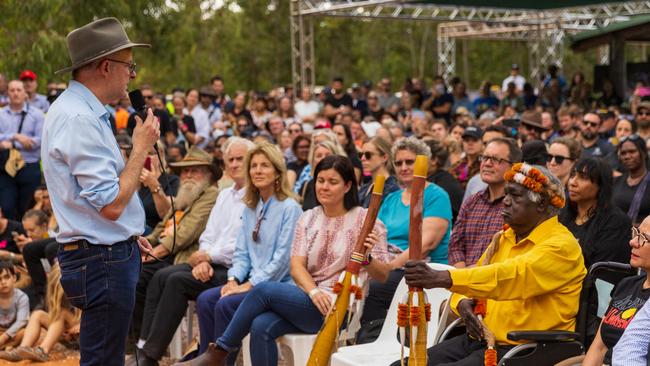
(324, 239)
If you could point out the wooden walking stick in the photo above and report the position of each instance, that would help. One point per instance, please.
(414, 311)
(349, 287)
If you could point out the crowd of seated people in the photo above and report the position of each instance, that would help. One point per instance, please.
(241, 206)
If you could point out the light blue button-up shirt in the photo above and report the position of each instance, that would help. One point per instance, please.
(82, 165)
(32, 128)
(40, 101)
(268, 258)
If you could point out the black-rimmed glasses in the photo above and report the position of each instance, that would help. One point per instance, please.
(641, 238)
(493, 159)
(132, 65)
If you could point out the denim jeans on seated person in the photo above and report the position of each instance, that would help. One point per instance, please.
(270, 310)
(100, 280)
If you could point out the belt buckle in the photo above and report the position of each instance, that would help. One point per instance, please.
(70, 246)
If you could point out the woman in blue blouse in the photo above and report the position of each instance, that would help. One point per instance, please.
(394, 213)
(263, 248)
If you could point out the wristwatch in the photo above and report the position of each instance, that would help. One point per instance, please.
(155, 191)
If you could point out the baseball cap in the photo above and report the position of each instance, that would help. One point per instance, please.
(473, 131)
(514, 67)
(27, 74)
(322, 123)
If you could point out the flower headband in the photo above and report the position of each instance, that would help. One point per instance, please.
(533, 179)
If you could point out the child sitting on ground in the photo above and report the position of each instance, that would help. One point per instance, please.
(61, 321)
(14, 307)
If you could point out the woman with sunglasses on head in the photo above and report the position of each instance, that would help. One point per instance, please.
(631, 189)
(376, 159)
(601, 228)
(319, 152)
(394, 213)
(562, 156)
(263, 247)
(628, 297)
(324, 240)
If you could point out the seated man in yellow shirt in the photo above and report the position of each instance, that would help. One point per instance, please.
(530, 276)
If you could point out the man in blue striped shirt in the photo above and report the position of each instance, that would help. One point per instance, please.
(21, 126)
(92, 189)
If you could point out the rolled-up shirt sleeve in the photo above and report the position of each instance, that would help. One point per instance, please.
(241, 262)
(91, 161)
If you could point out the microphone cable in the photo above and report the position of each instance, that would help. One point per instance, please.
(166, 186)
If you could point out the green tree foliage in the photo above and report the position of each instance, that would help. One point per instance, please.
(245, 41)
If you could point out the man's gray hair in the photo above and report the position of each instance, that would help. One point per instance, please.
(235, 140)
(537, 197)
(411, 144)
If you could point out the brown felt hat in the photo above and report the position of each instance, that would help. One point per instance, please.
(532, 119)
(96, 40)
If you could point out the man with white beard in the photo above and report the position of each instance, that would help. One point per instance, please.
(194, 201)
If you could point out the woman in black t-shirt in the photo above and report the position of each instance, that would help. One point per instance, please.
(634, 156)
(627, 298)
(601, 228)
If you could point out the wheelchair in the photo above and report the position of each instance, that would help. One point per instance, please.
(563, 347)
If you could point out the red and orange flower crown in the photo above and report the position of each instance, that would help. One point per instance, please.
(534, 180)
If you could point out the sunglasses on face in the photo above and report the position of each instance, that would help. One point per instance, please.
(559, 159)
(641, 238)
(493, 159)
(408, 162)
(590, 123)
(366, 154)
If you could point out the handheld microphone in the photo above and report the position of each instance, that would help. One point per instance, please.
(137, 102)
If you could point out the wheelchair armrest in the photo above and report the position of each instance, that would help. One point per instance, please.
(542, 336)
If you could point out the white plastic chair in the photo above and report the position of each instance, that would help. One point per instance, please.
(386, 348)
(300, 344)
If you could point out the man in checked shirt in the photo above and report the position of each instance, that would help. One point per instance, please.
(480, 215)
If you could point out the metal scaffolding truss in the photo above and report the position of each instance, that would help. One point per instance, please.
(544, 42)
(543, 30)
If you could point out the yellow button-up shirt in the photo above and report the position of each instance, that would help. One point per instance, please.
(533, 284)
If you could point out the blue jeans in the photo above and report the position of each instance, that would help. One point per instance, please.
(100, 280)
(215, 313)
(271, 310)
(16, 193)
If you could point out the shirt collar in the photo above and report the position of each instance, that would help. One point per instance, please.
(485, 194)
(539, 234)
(24, 109)
(80, 89)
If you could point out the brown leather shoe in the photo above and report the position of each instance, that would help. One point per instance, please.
(213, 356)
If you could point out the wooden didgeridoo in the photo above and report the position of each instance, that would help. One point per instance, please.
(348, 287)
(416, 297)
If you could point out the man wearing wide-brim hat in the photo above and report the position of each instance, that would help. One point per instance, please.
(197, 157)
(92, 188)
(531, 127)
